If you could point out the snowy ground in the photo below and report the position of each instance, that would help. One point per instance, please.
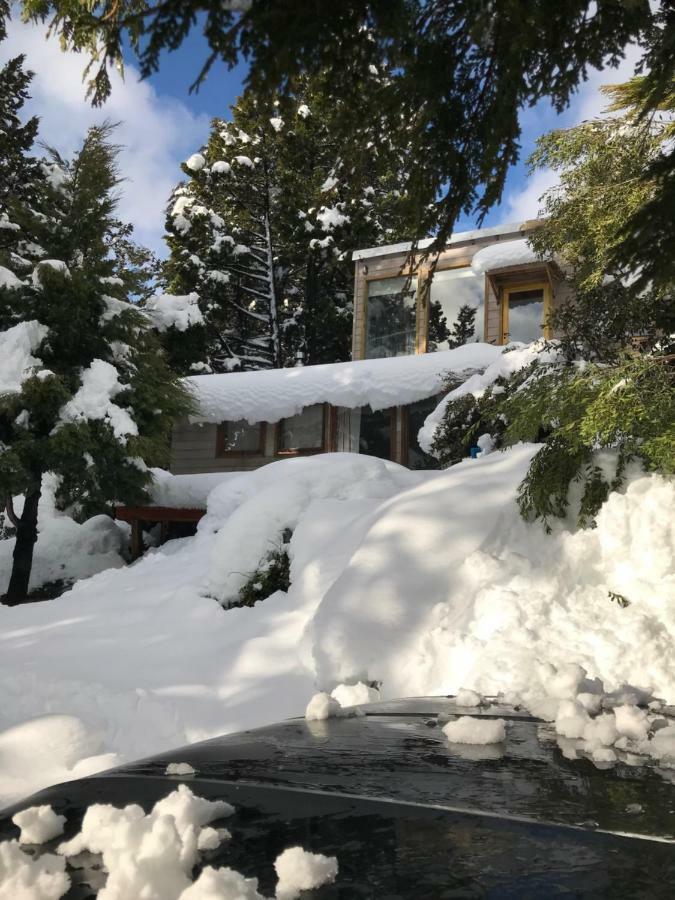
(425, 582)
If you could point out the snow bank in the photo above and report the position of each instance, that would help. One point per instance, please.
(467, 730)
(257, 508)
(271, 395)
(420, 582)
(503, 254)
(509, 361)
(66, 550)
(322, 706)
(17, 346)
(174, 311)
(185, 491)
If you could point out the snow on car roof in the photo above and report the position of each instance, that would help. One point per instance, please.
(269, 395)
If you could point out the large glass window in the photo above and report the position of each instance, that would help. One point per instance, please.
(391, 317)
(302, 433)
(450, 290)
(375, 432)
(524, 313)
(239, 437)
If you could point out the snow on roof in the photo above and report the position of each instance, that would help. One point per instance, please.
(269, 395)
(503, 254)
(457, 238)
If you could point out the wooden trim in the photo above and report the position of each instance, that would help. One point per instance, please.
(303, 451)
(221, 440)
(506, 292)
(134, 514)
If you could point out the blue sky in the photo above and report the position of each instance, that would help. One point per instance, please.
(162, 123)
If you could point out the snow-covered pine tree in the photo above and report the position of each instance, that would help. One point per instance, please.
(19, 171)
(84, 388)
(464, 327)
(263, 231)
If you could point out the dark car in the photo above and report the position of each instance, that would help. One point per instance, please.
(406, 813)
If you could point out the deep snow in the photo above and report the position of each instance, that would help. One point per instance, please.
(423, 582)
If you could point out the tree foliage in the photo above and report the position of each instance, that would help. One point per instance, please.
(95, 396)
(576, 411)
(460, 71)
(263, 229)
(607, 182)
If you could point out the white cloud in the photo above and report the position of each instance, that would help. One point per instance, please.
(156, 132)
(587, 103)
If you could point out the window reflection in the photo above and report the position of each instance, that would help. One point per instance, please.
(391, 317)
(525, 320)
(417, 414)
(453, 288)
(239, 437)
(375, 432)
(304, 432)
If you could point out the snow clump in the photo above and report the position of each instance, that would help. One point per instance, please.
(94, 400)
(17, 346)
(299, 870)
(322, 706)
(147, 855)
(24, 878)
(468, 730)
(38, 824)
(195, 162)
(174, 311)
(180, 768)
(467, 698)
(355, 694)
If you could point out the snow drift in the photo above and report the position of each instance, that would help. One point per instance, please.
(423, 582)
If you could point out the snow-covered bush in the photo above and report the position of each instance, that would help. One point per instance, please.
(273, 574)
(578, 411)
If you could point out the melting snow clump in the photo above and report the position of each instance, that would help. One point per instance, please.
(299, 870)
(467, 698)
(322, 706)
(467, 730)
(355, 694)
(180, 769)
(38, 824)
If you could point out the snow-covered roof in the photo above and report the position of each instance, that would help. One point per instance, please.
(269, 395)
(459, 237)
(502, 255)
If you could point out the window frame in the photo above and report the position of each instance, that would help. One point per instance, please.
(221, 441)
(420, 306)
(303, 451)
(516, 288)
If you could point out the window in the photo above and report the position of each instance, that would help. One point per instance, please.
(391, 319)
(524, 314)
(375, 432)
(415, 416)
(450, 290)
(303, 433)
(239, 438)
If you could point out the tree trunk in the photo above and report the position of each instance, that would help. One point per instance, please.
(26, 536)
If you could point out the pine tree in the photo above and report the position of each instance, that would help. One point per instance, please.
(264, 228)
(464, 328)
(93, 395)
(20, 172)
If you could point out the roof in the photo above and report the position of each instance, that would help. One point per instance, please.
(268, 395)
(459, 237)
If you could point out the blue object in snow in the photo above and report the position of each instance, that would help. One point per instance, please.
(475, 452)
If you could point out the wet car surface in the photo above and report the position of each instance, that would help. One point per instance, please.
(408, 814)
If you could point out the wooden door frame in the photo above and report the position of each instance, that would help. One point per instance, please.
(516, 288)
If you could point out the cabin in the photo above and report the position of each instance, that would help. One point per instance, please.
(376, 403)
